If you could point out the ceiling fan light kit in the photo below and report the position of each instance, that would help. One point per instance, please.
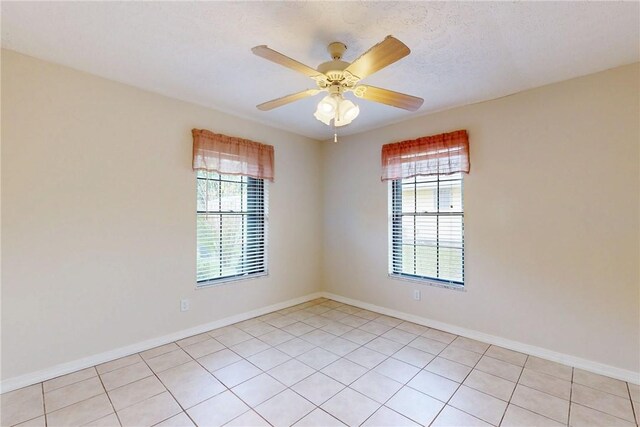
(338, 77)
(335, 107)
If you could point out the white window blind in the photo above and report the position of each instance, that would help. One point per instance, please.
(232, 219)
(426, 228)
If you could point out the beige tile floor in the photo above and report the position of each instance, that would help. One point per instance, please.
(323, 363)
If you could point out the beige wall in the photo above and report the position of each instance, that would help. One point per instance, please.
(551, 219)
(98, 216)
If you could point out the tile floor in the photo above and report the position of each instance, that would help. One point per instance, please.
(323, 363)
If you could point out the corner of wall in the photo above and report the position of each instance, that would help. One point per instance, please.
(322, 277)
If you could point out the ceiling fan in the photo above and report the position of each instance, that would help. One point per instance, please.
(338, 77)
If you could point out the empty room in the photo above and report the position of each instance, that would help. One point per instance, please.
(323, 213)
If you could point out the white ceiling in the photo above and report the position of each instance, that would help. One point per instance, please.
(462, 52)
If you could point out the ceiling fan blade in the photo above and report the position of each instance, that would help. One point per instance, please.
(379, 56)
(279, 102)
(274, 56)
(389, 97)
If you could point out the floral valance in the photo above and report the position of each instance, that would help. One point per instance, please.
(442, 154)
(229, 155)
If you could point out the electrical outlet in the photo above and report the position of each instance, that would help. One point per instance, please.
(416, 294)
(184, 305)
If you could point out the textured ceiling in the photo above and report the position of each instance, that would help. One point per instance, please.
(462, 52)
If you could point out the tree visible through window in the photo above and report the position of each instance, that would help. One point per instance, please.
(231, 226)
(427, 228)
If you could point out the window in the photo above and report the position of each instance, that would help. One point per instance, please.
(232, 227)
(427, 228)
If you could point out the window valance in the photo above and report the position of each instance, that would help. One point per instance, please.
(442, 154)
(229, 155)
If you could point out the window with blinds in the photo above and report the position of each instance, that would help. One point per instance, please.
(427, 229)
(231, 227)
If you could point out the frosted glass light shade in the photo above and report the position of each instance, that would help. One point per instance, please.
(347, 112)
(326, 110)
(335, 107)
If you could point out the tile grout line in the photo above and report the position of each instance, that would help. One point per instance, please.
(348, 386)
(323, 410)
(297, 382)
(514, 390)
(71, 404)
(604, 413)
(603, 391)
(403, 384)
(633, 407)
(571, 391)
(517, 382)
(570, 401)
(417, 373)
(82, 400)
(184, 410)
(44, 404)
(422, 369)
(419, 369)
(166, 389)
(509, 402)
(320, 370)
(251, 407)
(571, 396)
(229, 389)
(584, 405)
(108, 397)
(459, 386)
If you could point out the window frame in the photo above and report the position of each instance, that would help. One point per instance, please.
(396, 229)
(249, 184)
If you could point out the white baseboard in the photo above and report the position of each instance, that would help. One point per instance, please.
(86, 362)
(576, 362)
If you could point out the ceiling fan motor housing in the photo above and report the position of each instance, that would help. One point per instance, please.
(333, 69)
(336, 49)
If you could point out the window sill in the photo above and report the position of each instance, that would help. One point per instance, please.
(229, 280)
(459, 288)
